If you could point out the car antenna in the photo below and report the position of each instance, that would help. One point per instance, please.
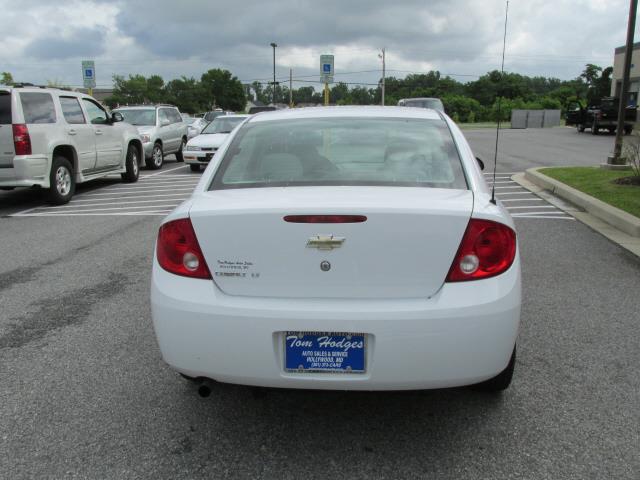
(495, 158)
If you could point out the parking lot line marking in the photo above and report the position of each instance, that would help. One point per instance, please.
(557, 213)
(152, 184)
(128, 204)
(169, 181)
(556, 217)
(24, 213)
(61, 214)
(179, 188)
(523, 200)
(128, 198)
(71, 210)
(517, 193)
(164, 171)
(534, 206)
(498, 188)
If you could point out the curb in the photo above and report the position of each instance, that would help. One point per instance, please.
(615, 217)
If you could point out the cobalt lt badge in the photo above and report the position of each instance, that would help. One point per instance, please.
(325, 266)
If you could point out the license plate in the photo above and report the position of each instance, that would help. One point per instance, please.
(324, 352)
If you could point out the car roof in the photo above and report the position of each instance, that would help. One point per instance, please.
(347, 111)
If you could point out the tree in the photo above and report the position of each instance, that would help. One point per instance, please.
(222, 89)
(186, 94)
(6, 79)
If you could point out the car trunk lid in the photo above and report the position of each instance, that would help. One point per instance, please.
(404, 249)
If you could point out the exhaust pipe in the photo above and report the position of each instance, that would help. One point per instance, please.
(204, 390)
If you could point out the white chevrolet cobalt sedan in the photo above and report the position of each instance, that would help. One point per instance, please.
(351, 248)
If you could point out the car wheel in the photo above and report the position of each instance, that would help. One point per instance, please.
(157, 157)
(628, 130)
(580, 128)
(501, 381)
(194, 168)
(594, 128)
(61, 180)
(133, 168)
(179, 156)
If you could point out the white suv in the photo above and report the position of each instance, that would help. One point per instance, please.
(55, 138)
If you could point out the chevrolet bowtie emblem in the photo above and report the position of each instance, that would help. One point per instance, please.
(325, 242)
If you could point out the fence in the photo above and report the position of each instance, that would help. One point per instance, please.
(535, 118)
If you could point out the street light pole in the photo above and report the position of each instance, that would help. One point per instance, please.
(382, 56)
(273, 93)
(624, 88)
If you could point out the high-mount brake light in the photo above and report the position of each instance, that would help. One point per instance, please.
(325, 218)
(21, 139)
(178, 250)
(487, 249)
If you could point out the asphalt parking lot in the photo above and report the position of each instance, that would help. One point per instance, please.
(85, 394)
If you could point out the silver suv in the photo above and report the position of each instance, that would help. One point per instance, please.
(161, 128)
(55, 138)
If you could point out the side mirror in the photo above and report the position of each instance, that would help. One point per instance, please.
(164, 123)
(117, 117)
(480, 162)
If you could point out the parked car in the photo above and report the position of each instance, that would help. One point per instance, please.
(200, 150)
(210, 116)
(348, 248)
(425, 102)
(262, 108)
(161, 128)
(602, 115)
(55, 139)
(194, 126)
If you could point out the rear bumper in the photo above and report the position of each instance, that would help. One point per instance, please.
(27, 171)
(463, 335)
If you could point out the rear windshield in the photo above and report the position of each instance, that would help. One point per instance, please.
(5, 108)
(434, 103)
(342, 151)
(139, 116)
(38, 107)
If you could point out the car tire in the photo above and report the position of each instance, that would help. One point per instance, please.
(628, 130)
(501, 381)
(61, 180)
(179, 156)
(132, 165)
(580, 128)
(194, 168)
(594, 128)
(157, 157)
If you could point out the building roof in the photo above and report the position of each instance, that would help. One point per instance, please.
(636, 46)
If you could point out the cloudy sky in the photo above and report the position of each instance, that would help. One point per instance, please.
(45, 41)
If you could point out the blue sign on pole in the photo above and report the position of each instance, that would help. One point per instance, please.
(89, 73)
(326, 68)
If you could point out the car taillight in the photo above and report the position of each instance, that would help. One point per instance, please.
(178, 250)
(21, 139)
(487, 249)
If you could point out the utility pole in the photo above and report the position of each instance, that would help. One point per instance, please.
(616, 159)
(273, 93)
(290, 88)
(382, 56)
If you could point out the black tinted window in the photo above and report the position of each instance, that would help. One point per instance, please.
(5, 108)
(38, 107)
(71, 110)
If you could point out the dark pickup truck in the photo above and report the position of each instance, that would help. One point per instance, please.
(602, 115)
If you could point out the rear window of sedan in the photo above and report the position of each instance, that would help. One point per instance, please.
(342, 151)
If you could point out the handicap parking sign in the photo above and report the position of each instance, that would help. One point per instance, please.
(326, 67)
